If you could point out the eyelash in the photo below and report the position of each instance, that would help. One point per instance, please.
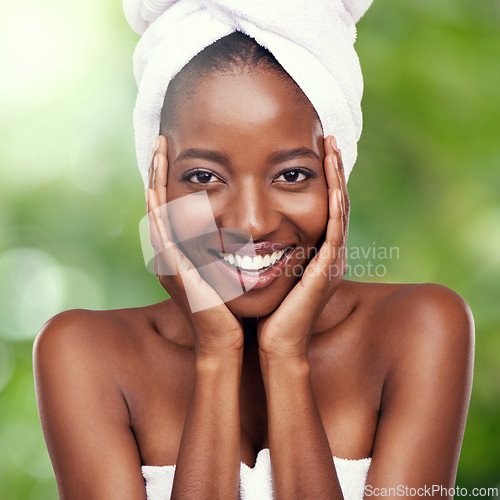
(301, 171)
(189, 175)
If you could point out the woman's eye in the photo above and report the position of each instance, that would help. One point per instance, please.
(201, 177)
(292, 176)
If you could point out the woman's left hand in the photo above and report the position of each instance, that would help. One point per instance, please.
(286, 332)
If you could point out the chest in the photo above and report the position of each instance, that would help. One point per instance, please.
(347, 390)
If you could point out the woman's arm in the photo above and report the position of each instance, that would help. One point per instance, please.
(84, 416)
(208, 464)
(86, 422)
(424, 408)
(301, 458)
(426, 394)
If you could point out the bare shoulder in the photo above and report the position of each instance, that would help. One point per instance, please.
(424, 298)
(104, 345)
(406, 307)
(84, 334)
(113, 345)
(406, 323)
(425, 333)
(426, 313)
(78, 361)
(76, 325)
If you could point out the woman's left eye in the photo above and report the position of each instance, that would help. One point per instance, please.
(293, 176)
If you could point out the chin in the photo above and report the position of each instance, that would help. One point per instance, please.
(243, 309)
(259, 303)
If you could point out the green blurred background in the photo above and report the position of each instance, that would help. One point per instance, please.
(426, 182)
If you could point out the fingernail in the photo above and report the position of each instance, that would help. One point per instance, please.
(155, 163)
(157, 144)
(335, 162)
(339, 197)
(333, 142)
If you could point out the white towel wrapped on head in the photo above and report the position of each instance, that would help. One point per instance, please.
(312, 40)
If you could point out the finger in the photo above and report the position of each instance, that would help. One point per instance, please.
(327, 262)
(329, 149)
(158, 234)
(169, 258)
(326, 265)
(345, 194)
(333, 143)
(158, 180)
(332, 177)
(161, 172)
(151, 165)
(170, 252)
(345, 206)
(344, 259)
(172, 260)
(329, 252)
(343, 186)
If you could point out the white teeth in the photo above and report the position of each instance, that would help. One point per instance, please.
(239, 261)
(247, 262)
(256, 263)
(274, 257)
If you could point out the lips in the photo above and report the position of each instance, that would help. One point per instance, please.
(257, 270)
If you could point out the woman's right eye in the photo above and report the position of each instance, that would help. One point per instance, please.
(200, 177)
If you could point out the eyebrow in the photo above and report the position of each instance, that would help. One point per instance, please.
(276, 157)
(292, 154)
(203, 154)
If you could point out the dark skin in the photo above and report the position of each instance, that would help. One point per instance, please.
(348, 369)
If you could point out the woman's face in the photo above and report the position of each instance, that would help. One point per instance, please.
(255, 148)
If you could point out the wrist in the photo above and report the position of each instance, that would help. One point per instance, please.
(289, 365)
(298, 355)
(209, 360)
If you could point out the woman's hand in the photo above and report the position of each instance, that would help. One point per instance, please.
(215, 328)
(286, 332)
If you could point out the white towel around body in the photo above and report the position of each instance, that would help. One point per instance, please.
(256, 482)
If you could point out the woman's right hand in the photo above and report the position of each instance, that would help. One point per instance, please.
(215, 328)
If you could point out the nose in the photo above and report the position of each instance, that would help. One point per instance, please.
(253, 209)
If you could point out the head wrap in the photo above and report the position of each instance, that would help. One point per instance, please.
(313, 41)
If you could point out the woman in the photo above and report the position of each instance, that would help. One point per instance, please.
(305, 364)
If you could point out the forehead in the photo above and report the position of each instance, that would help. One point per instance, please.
(253, 106)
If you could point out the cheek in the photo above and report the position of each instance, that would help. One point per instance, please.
(190, 216)
(310, 214)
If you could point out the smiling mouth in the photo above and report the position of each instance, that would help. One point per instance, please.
(253, 265)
